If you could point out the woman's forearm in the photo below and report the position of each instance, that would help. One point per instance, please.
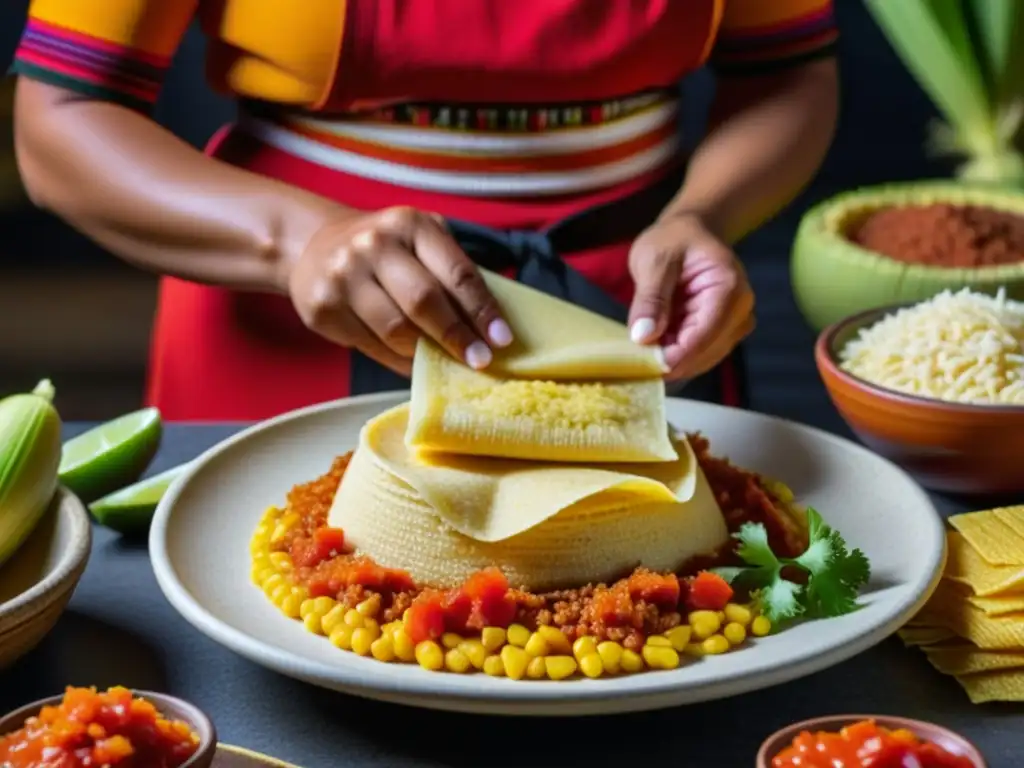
(155, 201)
(766, 139)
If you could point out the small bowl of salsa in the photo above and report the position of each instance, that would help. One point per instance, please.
(115, 728)
(867, 741)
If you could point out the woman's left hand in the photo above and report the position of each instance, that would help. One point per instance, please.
(692, 295)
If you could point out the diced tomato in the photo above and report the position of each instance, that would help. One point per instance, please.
(708, 592)
(488, 584)
(492, 605)
(426, 618)
(656, 588)
(457, 608)
(323, 545)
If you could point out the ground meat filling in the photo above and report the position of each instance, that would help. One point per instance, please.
(943, 235)
(638, 605)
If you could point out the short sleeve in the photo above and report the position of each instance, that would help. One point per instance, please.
(115, 50)
(757, 36)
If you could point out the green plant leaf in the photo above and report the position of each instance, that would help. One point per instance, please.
(997, 28)
(932, 40)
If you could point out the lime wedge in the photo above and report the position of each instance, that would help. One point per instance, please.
(130, 509)
(111, 455)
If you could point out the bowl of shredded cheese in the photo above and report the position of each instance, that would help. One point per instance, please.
(936, 386)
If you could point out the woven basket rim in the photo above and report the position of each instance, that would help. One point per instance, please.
(65, 575)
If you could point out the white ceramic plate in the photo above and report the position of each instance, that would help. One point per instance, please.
(199, 544)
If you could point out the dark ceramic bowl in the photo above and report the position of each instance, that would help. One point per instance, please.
(169, 706)
(949, 447)
(951, 742)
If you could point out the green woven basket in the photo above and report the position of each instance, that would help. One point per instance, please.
(833, 278)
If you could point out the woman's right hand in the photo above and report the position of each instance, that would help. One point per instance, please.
(376, 282)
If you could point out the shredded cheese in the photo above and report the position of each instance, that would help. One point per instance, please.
(963, 347)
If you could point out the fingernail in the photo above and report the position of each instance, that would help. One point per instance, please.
(478, 355)
(641, 330)
(500, 333)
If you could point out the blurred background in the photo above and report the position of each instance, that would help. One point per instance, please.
(73, 313)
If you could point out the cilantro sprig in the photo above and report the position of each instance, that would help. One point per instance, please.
(835, 573)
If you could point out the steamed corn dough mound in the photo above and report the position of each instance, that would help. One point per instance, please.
(443, 517)
(572, 388)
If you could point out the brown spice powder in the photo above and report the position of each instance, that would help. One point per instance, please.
(944, 235)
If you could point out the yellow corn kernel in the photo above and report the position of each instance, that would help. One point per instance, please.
(405, 615)
(517, 635)
(301, 592)
(456, 661)
(584, 646)
(373, 626)
(383, 648)
(631, 661)
(281, 560)
(557, 642)
(312, 623)
(760, 626)
(591, 665)
(721, 616)
(492, 638)
(515, 661)
(341, 637)
(536, 669)
(280, 593)
(611, 656)
(660, 657)
(679, 636)
(658, 641)
(404, 647)
(369, 606)
(537, 645)
(715, 644)
(429, 655)
(272, 583)
(333, 618)
(319, 605)
(494, 666)
(362, 639)
(704, 624)
(260, 575)
(280, 531)
(738, 614)
(560, 667)
(450, 640)
(292, 605)
(694, 649)
(735, 633)
(474, 651)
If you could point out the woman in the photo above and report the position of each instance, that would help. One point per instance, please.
(384, 146)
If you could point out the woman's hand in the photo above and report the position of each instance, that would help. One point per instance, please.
(692, 295)
(376, 282)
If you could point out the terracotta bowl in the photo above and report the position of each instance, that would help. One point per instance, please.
(948, 447)
(169, 706)
(951, 742)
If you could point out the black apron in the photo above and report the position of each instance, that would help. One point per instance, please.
(535, 257)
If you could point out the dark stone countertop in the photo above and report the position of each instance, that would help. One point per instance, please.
(120, 629)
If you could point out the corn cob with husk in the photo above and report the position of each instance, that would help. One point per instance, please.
(30, 448)
(968, 57)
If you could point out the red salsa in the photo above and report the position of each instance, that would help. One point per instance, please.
(91, 729)
(866, 745)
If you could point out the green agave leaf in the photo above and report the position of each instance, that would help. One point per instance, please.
(931, 38)
(997, 28)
